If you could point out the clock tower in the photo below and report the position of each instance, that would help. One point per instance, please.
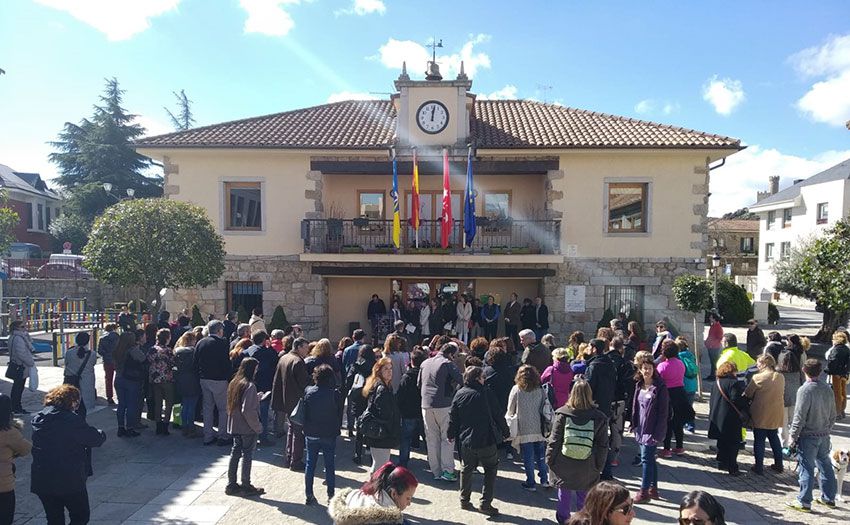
(433, 113)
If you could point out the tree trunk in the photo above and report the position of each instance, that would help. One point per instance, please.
(831, 321)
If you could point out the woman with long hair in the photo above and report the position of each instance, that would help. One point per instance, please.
(701, 508)
(575, 340)
(650, 410)
(243, 423)
(354, 383)
(12, 445)
(577, 449)
(382, 408)
(382, 499)
(528, 404)
(607, 503)
(188, 383)
(394, 351)
(322, 354)
(724, 416)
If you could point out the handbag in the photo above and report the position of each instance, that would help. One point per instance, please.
(299, 413)
(546, 414)
(370, 427)
(75, 379)
(14, 371)
(746, 419)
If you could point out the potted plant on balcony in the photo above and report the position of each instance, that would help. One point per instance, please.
(498, 250)
(384, 248)
(351, 248)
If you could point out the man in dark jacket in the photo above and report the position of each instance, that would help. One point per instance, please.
(477, 424)
(601, 374)
(755, 339)
(512, 319)
(105, 346)
(409, 400)
(266, 365)
(214, 370)
(230, 325)
(290, 380)
(623, 389)
(375, 312)
(535, 354)
(541, 318)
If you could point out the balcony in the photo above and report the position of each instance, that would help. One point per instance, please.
(494, 237)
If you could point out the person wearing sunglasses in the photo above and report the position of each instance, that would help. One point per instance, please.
(607, 503)
(701, 508)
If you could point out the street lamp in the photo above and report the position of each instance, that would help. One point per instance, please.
(107, 187)
(715, 265)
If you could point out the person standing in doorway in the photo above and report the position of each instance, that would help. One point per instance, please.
(713, 343)
(490, 314)
(105, 347)
(464, 316)
(541, 318)
(214, 371)
(375, 312)
(290, 381)
(512, 319)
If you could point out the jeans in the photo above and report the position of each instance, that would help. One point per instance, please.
(264, 416)
(188, 405)
(488, 457)
(713, 356)
(243, 447)
(441, 454)
(772, 435)
(7, 507)
(409, 428)
(76, 503)
(328, 448)
(18, 390)
(814, 451)
(129, 400)
(108, 377)
(294, 444)
(534, 453)
(649, 474)
(215, 396)
(565, 503)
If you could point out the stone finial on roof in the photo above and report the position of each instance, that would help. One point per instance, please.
(462, 74)
(404, 75)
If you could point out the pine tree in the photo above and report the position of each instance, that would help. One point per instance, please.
(278, 321)
(197, 319)
(99, 149)
(183, 120)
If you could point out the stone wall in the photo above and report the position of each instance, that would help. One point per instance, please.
(98, 294)
(656, 276)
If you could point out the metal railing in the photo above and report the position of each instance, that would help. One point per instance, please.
(43, 269)
(497, 237)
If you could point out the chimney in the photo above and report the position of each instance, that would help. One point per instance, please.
(774, 184)
(797, 181)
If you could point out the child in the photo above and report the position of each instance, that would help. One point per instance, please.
(243, 423)
(691, 371)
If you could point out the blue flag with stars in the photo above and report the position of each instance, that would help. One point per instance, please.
(469, 203)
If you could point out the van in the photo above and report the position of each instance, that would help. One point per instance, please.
(24, 250)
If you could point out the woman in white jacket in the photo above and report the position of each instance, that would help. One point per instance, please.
(464, 314)
(20, 354)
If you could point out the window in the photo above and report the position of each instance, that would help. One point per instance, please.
(243, 206)
(747, 244)
(771, 219)
(745, 265)
(768, 251)
(371, 205)
(823, 213)
(497, 205)
(786, 218)
(29, 215)
(47, 217)
(246, 295)
(627, 207)
(625, 299)
(785, 250)
(40, 216)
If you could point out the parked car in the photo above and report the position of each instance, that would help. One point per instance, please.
(14, 272)
(60, 270)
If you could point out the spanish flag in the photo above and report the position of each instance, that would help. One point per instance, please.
(394, 194)
(414, 198)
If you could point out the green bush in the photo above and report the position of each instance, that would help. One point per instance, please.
(197, 318)
(278, 321)
(606, 320)
(732, 302)
(242, 315)
(772, 314)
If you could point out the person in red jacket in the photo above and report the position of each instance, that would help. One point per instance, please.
(713, 343)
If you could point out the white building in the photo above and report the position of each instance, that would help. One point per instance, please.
(797, 213)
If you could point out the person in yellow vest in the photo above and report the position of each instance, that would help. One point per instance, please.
(732, 353)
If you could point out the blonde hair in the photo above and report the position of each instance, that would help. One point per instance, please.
(805, 343)
(766, 361)
(376, 375)
(581, 396)
(839, 338)
(585, 351)
(560, 354)
(323, 348)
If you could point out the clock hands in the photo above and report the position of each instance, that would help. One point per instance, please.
(433, 109)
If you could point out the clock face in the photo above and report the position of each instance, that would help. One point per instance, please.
(432, 117)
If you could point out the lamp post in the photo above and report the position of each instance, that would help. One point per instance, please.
(107, 187)
(715, 264)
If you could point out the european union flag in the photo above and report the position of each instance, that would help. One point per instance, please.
(469, 203)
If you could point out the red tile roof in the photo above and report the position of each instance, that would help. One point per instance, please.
(733, 225)
(496, 124)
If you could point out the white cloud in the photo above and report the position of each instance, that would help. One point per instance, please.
(828, 100)
(394, 52)
(117, 19)
(350, 95)
(649, 106)
(509, 92)
(153, 126)
(268, 17)
(734, 186)
(363, 7)
(725, 94)
(670, 107)
(644, 106)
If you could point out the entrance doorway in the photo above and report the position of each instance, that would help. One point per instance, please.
(421, 290)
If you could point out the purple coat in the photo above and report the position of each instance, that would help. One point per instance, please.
(649, 419)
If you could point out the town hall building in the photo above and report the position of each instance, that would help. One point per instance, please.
(590, 211)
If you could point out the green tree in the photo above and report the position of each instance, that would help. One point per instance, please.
(197, 318)
(155, 244)
(278, 321)
(8, 220)
(183, 119)
(70, 228)
(692, 293)
(99, 149)
(818, 270)
(733, 304)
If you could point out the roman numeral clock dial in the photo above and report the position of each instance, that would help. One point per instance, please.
(432, 117)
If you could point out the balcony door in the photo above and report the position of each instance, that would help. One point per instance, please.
(431, 209)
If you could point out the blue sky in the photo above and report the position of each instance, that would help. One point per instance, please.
(774, 74)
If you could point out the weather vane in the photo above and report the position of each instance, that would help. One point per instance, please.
(434, 45)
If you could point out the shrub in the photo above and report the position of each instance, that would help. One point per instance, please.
(606, 320)
(197, 318)
(732, 303)
(242, 315)
(278, 321)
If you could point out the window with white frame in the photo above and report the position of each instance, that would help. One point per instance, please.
(771, 219)
(786, 218)
(785, 250)
(823, 213)
(768, 251)
(747, 244)
(628, 207)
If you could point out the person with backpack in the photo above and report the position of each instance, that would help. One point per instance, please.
(356, 380)
(690, 380)
(577, 448)
(409, 399)
(623, 387)
(531, 413)
(243, 423)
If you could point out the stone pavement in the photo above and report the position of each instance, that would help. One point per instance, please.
(176, 481)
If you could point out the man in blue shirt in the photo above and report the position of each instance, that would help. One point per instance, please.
(490, 314)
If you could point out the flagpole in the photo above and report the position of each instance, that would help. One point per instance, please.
(416, 190)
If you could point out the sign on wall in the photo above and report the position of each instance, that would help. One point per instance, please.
(574, 298)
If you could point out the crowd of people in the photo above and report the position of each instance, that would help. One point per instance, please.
(477, 402)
